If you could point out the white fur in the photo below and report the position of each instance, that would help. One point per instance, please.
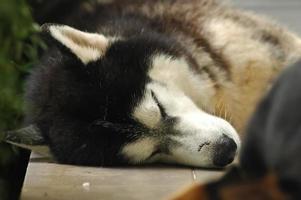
(228, 36)
(174, 86)
(139, 150)
(195, 125)
(87, 47)
(147, 112)
(177, 73)
(200, 127)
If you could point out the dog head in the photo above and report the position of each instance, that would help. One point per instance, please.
(151, 120)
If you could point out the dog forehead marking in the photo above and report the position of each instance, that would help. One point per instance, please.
(146, 112)
(163, 66)
(177, 72)
(139, 150)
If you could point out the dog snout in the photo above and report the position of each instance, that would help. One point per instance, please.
(225, 151)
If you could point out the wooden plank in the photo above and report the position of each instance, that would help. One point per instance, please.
(54, 181)
(204, 176)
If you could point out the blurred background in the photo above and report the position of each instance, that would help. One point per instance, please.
(287, 12)
(18, 51)
(21, 46)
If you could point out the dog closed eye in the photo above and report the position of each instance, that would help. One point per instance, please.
(154, 153)
(160, 106)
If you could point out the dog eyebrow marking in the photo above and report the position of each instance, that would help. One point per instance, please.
(161, 108)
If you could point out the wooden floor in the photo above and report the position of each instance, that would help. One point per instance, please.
(50, 181)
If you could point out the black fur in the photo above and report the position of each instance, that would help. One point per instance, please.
(84, 111)
(273, 143)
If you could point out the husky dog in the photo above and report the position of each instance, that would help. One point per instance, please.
(132, 82)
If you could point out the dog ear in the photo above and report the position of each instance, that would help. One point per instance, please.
(86, 46)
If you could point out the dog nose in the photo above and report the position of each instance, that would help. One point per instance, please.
(225, 151)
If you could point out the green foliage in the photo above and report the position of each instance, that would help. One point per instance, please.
(19, 46)
(18, 51)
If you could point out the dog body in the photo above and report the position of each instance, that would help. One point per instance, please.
(237, 54)
(158, 81)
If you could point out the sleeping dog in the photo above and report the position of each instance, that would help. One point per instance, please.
(133, 82)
